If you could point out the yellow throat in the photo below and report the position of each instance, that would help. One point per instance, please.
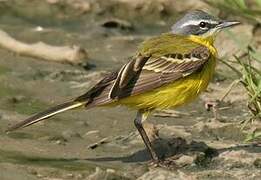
(205, 41)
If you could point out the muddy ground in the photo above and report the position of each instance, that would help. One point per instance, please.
(103, 143)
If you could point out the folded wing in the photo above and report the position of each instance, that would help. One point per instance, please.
(150, 73)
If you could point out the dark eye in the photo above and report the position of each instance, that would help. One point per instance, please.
(202, 24)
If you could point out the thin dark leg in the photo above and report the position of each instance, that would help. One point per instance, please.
(141, 115)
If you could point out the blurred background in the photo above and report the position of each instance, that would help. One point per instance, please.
(55, 50)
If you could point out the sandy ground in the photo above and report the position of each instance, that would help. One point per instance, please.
(103, 143)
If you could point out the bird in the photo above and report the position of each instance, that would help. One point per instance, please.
(167, 71)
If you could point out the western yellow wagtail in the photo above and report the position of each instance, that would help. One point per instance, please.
(167, 71)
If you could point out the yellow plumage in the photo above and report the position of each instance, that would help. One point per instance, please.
(179, 92)
(172, 95)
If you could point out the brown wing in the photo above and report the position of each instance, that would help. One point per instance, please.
(146, 74)
(112, 83)
(127, 74)
(166, 69)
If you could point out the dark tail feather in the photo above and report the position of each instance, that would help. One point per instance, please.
(46, 114)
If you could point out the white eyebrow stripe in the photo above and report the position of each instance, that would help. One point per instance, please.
(196, 22)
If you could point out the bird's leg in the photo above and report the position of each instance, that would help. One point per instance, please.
(141, 116)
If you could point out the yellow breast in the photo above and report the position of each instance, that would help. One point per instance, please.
(175, 94)
(179, 92)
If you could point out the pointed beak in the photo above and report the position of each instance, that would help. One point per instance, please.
(225, 24)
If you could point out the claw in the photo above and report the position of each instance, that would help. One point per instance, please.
(166, 163)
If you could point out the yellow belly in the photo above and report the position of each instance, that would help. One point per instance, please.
(176, 94)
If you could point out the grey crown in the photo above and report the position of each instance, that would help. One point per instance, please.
(190, 23)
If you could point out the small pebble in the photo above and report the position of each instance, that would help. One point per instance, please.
(69, 175)
(110, 171)
(91, 133)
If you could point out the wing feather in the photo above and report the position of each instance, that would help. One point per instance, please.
(161, 72)
(126, 74)
(147, 72)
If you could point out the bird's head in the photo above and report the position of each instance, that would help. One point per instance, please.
(200, 23)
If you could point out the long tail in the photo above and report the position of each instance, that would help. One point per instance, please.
(46, 114)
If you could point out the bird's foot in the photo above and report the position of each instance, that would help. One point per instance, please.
(164, 163)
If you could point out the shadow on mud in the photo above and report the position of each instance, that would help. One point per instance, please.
(166, 148)
(176, 147)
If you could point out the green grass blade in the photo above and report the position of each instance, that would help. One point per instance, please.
(240, 3)
(258, 2)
